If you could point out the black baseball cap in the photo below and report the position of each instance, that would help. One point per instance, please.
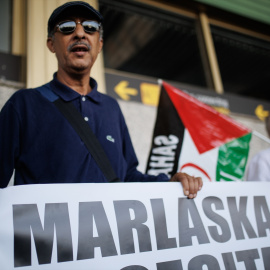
(73, 8)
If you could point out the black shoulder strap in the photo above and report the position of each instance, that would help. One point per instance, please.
(86, 134)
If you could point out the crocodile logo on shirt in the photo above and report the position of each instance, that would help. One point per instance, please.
(110, 138)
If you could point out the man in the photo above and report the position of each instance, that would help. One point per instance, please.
(259, 166)
(40, 144)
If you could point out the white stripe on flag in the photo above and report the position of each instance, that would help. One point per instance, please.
(229, 176)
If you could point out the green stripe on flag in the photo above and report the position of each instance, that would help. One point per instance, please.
(232, 159)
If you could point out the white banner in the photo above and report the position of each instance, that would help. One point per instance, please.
(142, 226)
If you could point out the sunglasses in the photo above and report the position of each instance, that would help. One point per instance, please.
(69, 27)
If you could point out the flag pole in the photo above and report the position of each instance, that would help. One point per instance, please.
(259, 135)
(160, 81)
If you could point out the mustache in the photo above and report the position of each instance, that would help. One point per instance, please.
(70, 47)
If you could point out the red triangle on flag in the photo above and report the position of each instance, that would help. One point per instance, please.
(207, 127)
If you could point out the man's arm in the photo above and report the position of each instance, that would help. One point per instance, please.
(9, 142)
(191, 185)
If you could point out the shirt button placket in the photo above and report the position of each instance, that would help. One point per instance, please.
(85, 118)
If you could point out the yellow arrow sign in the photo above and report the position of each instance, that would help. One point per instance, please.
(150, 93)
(124, 91)
(261, 113)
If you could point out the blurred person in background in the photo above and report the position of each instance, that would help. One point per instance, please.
(259, 166)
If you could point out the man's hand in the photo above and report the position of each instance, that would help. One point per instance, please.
(191, 185)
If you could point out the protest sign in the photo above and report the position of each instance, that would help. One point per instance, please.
(139, 226)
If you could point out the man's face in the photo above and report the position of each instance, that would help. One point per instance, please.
(76, 52)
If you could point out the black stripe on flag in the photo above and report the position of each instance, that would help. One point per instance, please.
(167, 139)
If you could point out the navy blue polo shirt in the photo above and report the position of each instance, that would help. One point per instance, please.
(39, 143)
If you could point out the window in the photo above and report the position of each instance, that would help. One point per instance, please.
(10, 64)
(244, 63)
(152, 42)
(5, 29)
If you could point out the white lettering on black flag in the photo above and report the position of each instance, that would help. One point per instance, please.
(167, 139)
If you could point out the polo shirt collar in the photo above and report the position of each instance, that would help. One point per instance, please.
(68, 94)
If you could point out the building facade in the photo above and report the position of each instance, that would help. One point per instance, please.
(219, 48)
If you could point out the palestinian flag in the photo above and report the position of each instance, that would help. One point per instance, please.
(192, 137)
